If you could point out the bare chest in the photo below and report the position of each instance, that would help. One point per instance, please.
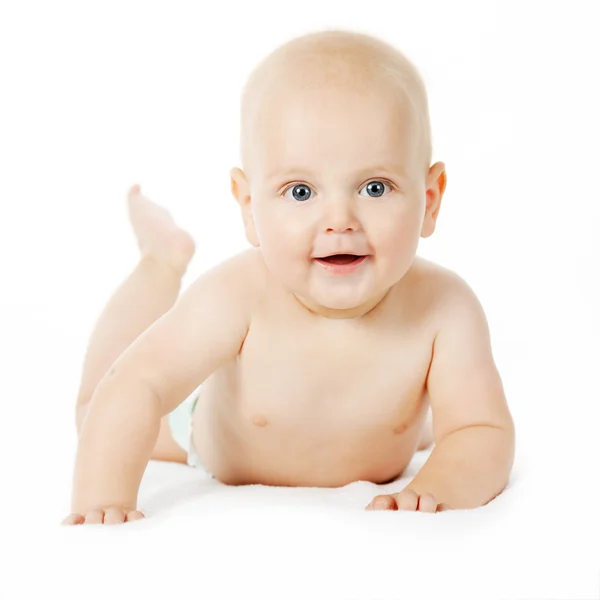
(342, 380)
(306, 403)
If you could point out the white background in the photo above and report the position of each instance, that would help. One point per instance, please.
(95, 97)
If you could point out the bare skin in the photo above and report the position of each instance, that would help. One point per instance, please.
(150, 290)
(158, 237)
(308, 379)
(356, 410)
(399, 425)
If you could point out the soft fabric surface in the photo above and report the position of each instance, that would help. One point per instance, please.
(537, 540)
(202, 538)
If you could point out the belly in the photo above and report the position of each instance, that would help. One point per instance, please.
(321, 442)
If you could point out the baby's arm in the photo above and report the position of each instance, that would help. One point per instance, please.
(472, 426)
(162, 367)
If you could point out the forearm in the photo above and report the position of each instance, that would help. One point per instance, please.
(115, 444)
(469, 467)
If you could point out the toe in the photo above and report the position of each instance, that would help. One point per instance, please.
(134, 189)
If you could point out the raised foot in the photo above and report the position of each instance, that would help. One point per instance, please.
(158, 236)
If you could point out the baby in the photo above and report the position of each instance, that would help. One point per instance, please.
(314, 357)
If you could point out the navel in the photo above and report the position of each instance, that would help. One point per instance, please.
(259, 421)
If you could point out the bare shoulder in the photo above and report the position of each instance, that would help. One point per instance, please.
(455, 292)
(242, 274)
(436, 277)
(441, 291)
(463, 383)
(204, 330)
(243, 278)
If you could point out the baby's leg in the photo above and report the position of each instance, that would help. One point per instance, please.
(147, 293)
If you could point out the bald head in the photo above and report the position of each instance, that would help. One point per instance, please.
(336, 60)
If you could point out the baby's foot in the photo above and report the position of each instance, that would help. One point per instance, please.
(157, 234)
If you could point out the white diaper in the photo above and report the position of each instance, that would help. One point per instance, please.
(180, 422)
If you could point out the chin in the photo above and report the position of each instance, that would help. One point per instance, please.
(341, 301)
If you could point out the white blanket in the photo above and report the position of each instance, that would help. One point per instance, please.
(204, 539)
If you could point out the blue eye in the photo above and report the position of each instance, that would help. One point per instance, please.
(377, 185)
(301, 191)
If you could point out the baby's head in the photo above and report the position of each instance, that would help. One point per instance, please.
(336, 153)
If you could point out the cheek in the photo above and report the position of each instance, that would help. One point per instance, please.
(284, 241)
(281, 233)
(399, 233)
(283, 244)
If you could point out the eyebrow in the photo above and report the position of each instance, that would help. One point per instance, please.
(393, 169)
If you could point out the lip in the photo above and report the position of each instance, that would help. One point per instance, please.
(342, 269)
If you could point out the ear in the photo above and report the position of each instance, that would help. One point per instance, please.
(436, 185)
(241, 192)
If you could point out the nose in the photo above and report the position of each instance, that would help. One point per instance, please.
(339, 215)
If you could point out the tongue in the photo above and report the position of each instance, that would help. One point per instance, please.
(340, 259)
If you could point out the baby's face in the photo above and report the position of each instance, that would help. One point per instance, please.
(337, 172)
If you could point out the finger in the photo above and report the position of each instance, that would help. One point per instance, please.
(382, 502)
(427, 503)
(407, 499)
(94, 517)
(114, 515)
(134, 515)
(73, 519)
(443, 506)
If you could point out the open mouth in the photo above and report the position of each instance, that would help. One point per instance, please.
(340, 259)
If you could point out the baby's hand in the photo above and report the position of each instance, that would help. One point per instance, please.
(108, 516)
(407, 499)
